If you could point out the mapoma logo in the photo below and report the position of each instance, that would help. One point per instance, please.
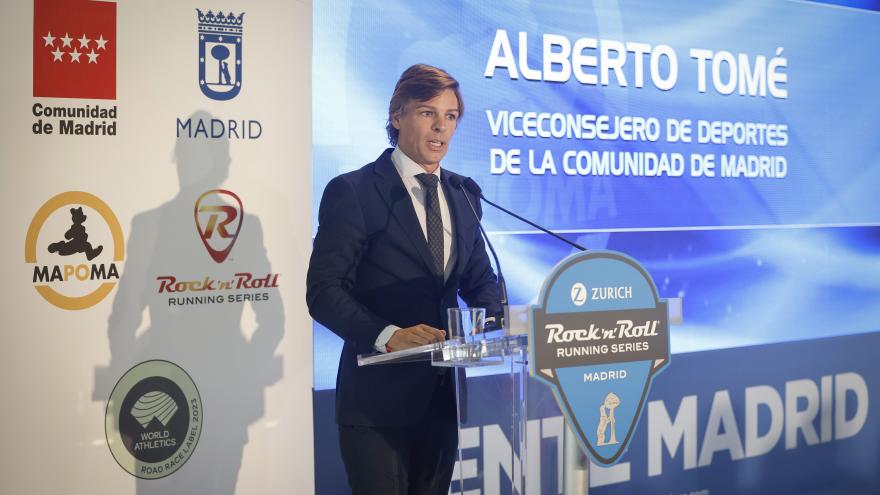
(70, 269)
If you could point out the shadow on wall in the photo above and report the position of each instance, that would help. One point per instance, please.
(201, 331)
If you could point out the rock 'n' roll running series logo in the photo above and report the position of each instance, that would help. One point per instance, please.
(219, 219)
(74, 44)
(76, 247)
(218, 223)
(599, 336)
(154, 419)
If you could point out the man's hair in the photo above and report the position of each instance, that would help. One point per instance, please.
(420, 82)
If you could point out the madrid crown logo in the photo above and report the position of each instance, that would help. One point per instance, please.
(220, 54)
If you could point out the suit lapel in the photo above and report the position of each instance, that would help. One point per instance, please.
(400, 206)
(460, 213)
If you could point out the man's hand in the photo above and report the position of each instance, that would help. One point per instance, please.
(406, 338)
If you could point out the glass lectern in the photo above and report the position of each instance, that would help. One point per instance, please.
(505, 405)
(501, 352)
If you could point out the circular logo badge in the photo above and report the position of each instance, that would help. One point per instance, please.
(578, 294)
(154, 419)
(75, 245)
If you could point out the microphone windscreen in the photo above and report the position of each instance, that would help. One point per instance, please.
(455, 181)
(472, 186)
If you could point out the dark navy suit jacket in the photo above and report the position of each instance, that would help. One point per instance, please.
(371, 267)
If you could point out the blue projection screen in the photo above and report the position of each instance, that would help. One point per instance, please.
(728, 146)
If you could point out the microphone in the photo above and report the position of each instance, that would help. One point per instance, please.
(457, 182)
(472, 186)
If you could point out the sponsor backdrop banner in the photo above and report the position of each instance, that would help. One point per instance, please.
(157, 207)
(727, 146)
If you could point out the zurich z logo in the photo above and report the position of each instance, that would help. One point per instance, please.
(220, 54)
(599, 336)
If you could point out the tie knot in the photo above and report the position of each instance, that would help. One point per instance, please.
(428, 180)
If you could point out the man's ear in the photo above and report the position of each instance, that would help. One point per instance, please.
(395, 117)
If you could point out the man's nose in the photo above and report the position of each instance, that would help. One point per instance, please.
(439, 124)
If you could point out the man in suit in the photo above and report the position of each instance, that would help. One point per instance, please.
(396, 245)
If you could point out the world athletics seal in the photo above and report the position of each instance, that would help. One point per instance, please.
(154, 419)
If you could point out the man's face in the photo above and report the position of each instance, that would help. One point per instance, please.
(426, 128)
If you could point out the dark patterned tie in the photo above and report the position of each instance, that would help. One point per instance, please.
(433, 221)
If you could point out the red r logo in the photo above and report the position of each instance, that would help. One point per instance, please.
(221, 219)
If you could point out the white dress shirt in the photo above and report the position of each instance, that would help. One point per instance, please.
(408, 169)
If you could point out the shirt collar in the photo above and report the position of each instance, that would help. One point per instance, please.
(405, 165)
